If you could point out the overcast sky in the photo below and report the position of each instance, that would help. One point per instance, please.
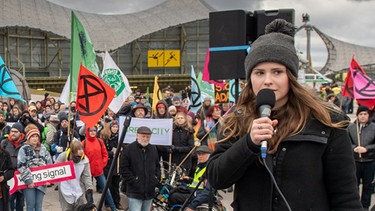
(347, 20)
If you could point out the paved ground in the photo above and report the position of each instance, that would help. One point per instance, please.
(51, 202)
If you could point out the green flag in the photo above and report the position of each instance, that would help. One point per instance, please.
(206, 88)
(148, 94)
(81, 50)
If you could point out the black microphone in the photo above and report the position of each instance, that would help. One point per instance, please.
(265, 102)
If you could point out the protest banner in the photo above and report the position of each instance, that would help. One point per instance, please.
(44, 174)
(161, 130)
(222, 93)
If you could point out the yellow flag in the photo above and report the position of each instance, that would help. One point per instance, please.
(157, 95)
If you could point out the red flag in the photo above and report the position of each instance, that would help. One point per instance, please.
(93, 97)
(359, 86)
(206, 73)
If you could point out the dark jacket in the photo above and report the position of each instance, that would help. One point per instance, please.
(203, 110)
(61, 138)
(367, 140)
(314, 170)
(4, 130)
(8, 170)
(183, 142)
(140, 168)
(8, 146)
(110, 144)
(201, 195)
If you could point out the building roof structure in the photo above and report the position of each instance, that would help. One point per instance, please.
(109, 32)
(340, 54)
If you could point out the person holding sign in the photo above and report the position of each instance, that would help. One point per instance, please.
(362, 136)
(140, 167)
(16, 139)
(32, 154)
(70, 192)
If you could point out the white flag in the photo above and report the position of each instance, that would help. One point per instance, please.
(116, 79)
(64, 97)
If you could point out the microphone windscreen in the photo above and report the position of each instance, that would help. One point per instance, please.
(266, 97)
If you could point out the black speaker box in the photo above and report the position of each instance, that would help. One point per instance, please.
(264, 17)
(227, 29)
(233, 29)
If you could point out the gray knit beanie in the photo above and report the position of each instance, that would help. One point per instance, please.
(18, 126)
(276, 45)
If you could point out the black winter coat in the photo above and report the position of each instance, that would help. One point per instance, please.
(7, 168)
(109, 145)
(315, 170)
(140, 167)
(183, 142)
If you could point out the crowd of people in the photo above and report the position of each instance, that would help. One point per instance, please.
(314, 159)
(43, 132)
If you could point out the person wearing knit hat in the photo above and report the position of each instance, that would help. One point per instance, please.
(176, 100)
(362, 108)
(18, 126)
(302, 133)
(362, 137)
(206, 104)
(33, 132)
(12, 144)
(274, 46)
(172, 110)
(32, 154)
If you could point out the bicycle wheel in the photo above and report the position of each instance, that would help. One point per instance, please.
(204, 207)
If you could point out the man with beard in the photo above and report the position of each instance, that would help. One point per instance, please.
(61, 139)
(139, 111)
(140, 168)
(12, 145)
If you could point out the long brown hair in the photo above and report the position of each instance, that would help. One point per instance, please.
(292, 117)
(187, 126)
(105, 133)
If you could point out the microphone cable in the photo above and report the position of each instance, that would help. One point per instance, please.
(276, 186)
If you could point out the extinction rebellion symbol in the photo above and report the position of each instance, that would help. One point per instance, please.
(92, 88)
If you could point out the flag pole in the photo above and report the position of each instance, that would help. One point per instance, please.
(359, 138)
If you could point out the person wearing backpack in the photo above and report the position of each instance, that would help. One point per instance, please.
(49, 131)
(96, 152)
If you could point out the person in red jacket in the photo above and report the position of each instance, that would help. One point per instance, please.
(96, 152)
